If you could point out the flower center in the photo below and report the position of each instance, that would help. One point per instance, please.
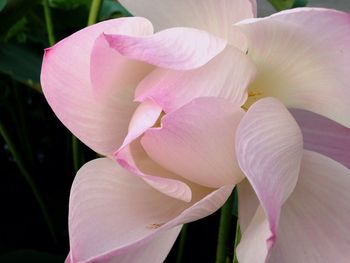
(253, 96)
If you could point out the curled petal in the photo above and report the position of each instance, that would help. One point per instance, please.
(197, 142)
(174, 48)
(324, 136)
(117, 217)
(134, 159)
(269, 151)
(66, 82)
(227, 76)
(300, 66)
(314, 224)
(214, 16)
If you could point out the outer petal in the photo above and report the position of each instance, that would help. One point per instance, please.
(133, 158)
(324, 136)
(175, 48)
(155, 250)
(214, 16)
(300, 66)
(314, 225)
(197, 142)
(227, 76)
(110, 71)
(65, 78)
(269, 150)
(248, 204)
(114, 215)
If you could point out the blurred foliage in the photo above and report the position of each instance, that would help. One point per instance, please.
(42, 142)
(280, 5)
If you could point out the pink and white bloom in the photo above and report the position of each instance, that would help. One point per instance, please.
(185, 114)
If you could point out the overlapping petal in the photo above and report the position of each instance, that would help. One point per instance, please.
(66, 83)
(197, 142)
(117, 216)
(269, 150)
(314, 223)
(226, 76)
(134, 159)
(175, 48)
(214, 16)
(299, 65)
(248, 204)
(109, 70)
(324, 136)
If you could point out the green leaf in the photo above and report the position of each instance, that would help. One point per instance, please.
(68, 4)
(287, 4)
(300, 3)
(112, 9)
(17, 31)
(21, 63)
(15, 10)
(2, 4)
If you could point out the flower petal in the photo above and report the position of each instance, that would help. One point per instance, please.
(314, 224)
(248, 203)
(214, 16)
(134, 159)
(145, 116)
(65, 78)
(175, 48)
(155, 250)
(269, 151)
(227, 76)
(111, 71)
(257, 238)
(116, 217)
(300, 66)
(197, 142)
(324, 136)
(112, 212)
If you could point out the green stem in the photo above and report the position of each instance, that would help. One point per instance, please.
(182, 243)
(28, 179)
(224, 231)
(49, 25)
(237, 240)
(76, 153)
(94, 11)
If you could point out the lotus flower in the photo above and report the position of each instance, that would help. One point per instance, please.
(185, 114)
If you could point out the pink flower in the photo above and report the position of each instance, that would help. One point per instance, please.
(167, 107)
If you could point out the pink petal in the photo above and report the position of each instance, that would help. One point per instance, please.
(269, 151)
(214, 16)
(300, 66)
(145, 116)
(227, 76)
(134, 159)
(175, 48)
(314, 224)
(112, 213)
(110, 71)
(324, 136)
(65, 78)
(256, 241)
(248, 203)
(197, 142)
(155, 250)
(116, 217)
